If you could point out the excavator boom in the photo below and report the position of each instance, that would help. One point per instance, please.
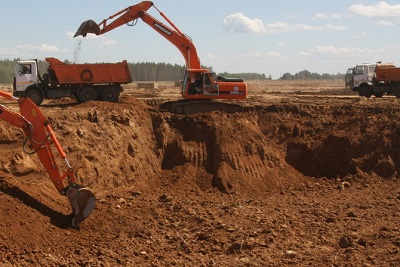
(41, 137)
(131, 13)
(198, 83)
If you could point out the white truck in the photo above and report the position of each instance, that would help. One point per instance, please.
(376, 79)
(84, 82)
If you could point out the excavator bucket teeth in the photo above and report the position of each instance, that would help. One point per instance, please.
(86, 27)
(83, 201)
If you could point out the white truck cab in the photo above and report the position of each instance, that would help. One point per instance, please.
(24, 76)
(364, 73)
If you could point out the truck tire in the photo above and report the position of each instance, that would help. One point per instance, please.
(110, 94)
(87, 94)
(35, 95)
(380, 94)
(365, 91)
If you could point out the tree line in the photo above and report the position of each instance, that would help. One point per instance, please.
(306, 75)
(150, 71)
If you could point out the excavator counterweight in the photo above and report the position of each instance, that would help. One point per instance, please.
(41, 138)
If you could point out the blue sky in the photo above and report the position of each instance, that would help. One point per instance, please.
(270, 37)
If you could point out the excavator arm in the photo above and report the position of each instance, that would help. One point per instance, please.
(41, 138)
(181, 41)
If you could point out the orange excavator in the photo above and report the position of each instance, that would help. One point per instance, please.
(198, 84)
(41, 137)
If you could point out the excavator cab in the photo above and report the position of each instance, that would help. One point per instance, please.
(199, 83)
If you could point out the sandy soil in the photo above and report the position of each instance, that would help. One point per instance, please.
(306, 175)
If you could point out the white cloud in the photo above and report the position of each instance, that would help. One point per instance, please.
(49, 48)
(99, 39)
(333, 50)
(333, 28)
(8, 52)
(70, 35)
(384, 23)
(380, 10)
(239, 23)
(320, 16)
(260, 55)
(336, 16)
(273, 54)
(41, 48)
(280, 27)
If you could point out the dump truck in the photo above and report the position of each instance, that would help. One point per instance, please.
(376, 79)
(84, 82)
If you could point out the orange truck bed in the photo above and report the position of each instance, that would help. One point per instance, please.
(90, 73)
(387, 73)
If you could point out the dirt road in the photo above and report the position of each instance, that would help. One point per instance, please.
(306, 175)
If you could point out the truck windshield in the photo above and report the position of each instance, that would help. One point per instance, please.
(24, 69)
(360, 70)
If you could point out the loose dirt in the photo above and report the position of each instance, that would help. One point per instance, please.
(306, 175)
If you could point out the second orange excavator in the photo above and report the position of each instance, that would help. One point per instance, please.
(199, 84)
(41, 138)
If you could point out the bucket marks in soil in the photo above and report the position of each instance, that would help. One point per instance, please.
(231, 148)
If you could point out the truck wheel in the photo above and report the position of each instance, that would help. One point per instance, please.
(380, 94)
(87, 94)
(110, 94)
(35, 95)
(365, 91)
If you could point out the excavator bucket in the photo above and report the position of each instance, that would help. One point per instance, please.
(86, 27)
(82, 200)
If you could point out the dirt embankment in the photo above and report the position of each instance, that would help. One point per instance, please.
(302, 177)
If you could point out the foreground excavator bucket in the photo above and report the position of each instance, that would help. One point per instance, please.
(82, 200)
(86, 27)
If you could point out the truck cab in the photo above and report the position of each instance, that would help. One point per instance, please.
(25, 75)
(26, 81)
(363, 73)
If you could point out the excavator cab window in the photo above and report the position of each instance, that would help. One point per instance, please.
(185, 82)
(194, 82)
(211, 84)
